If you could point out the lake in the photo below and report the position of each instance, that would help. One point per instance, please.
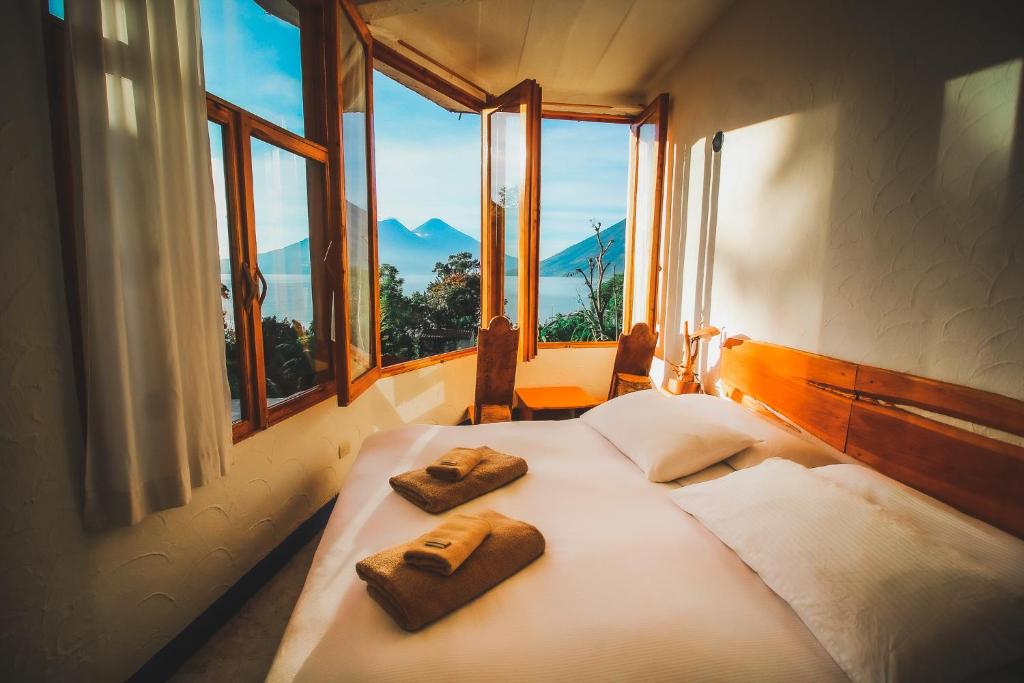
(289, 296)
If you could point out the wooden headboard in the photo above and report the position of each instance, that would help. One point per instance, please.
(856, 409)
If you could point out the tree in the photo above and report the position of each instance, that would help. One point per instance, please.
(591, 322)
(593, 278)
(453, 298)
(442, 318)
(578, 325)
(286, 357)
(397, 318)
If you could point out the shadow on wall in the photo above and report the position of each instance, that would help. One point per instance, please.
(869, 198)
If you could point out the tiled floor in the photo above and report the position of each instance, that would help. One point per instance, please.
(243, 649)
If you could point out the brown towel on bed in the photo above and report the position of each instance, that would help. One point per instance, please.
(414, 597)
(447, 546)
(433, 495)
(456, 463)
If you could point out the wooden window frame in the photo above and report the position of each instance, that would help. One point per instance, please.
(527, 96)
(587, 117)
(426, 361)
(655, 113)
(350, 388)
(239, 127)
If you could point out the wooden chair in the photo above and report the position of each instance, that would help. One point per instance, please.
(633, 359)
(496, 357)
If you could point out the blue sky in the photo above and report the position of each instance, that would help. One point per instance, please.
(428, 160)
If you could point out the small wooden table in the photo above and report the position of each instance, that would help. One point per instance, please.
(551, 399)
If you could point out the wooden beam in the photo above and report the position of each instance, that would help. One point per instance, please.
(396, 60)
(373, 10)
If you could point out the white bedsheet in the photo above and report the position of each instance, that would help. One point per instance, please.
(630, 587)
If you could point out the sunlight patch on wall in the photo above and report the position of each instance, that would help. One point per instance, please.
(978, 120)
(755, 248)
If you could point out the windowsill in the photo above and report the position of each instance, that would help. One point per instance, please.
(282, 410)
(577, 345)
(409, 365)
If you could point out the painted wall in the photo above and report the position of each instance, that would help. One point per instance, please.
(78, 606)
(869, 199)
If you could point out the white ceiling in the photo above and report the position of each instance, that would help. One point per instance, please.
(582, 51)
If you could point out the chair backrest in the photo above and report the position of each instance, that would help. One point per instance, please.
(496, 356)
(635, 353)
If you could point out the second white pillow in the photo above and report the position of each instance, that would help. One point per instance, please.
(666, 436)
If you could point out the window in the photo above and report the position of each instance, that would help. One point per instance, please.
(229, 302)
(272, 222)
(585, 168)
(292, 277)
(356, 201)
(428, 180)
(508, 178)
(643, 225)
(511, 128)
(290, 238)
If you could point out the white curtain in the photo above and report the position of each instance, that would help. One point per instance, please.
(157, 401)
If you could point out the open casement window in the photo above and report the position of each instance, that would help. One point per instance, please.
(644, 213)
(273, 220)
(350, 137)
(270, 191)
(511, 210)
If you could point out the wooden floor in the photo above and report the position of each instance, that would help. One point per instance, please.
(243, 649)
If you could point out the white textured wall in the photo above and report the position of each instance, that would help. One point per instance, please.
(869, 200)
(84, 607)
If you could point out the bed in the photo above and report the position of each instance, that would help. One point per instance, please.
(630, 587)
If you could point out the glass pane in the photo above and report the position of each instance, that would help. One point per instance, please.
(227, 294)
(646, 164)
(56, 8)
(290, 249)
(584, 175)
(252, 58)
(362, 335)
(508, 174)
(429, 245)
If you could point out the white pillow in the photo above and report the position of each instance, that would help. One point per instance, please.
(885, 601)
(945, 525)
(775, 438)
(666, 436)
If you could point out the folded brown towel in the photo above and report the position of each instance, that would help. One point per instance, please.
(456, 463)
(448, 545)
(433, 495)
(414, 598)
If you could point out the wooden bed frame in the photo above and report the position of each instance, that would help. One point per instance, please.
(857, 409)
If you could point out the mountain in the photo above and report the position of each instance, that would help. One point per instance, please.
(445, 238)
(394, 236)
(400, 246)
(576, 255)
(292, 259)
(416, 251)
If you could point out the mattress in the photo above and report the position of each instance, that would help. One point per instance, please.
(630, 586)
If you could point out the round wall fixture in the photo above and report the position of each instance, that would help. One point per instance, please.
(716, 142)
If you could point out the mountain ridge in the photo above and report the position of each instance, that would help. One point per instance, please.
(433, 241)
